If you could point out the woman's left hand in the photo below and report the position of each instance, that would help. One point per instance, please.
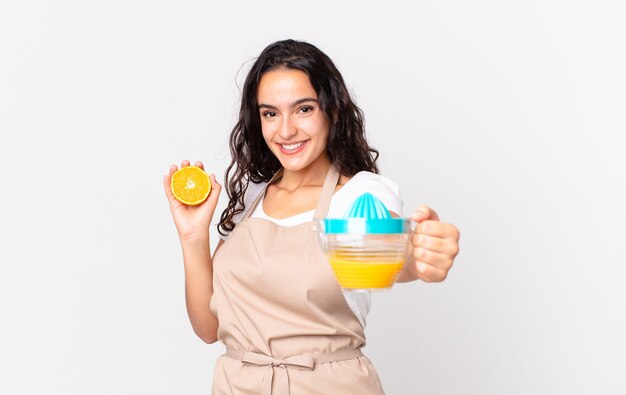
(434, 244)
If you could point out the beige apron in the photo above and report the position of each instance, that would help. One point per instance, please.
(282, 315)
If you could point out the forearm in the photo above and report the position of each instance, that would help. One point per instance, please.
(199, 285)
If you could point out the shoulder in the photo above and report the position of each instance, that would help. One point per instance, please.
(252, 193)
(384, 188)
(364, 179)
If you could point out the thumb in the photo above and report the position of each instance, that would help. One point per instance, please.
(423, 213)
(216, 188)
(168, 188)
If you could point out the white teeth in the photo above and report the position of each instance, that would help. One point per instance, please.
(292, 146)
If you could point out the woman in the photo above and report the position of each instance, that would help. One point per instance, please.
(298, 152)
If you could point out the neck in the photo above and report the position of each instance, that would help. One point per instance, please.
(312, 175)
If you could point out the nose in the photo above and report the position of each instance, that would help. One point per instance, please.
(288, 128)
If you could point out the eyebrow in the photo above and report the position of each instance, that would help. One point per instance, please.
(294, 104)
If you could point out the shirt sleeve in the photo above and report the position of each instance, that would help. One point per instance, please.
(383, 188)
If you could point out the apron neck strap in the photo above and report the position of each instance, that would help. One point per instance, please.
(256, 201)
(323, 204)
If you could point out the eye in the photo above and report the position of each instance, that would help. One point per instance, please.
(306, 109)
(268, 114)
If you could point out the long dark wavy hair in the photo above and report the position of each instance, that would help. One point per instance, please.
(252, 160)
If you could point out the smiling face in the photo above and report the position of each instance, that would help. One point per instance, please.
(294, 126)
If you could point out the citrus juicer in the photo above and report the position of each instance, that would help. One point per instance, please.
(366, 248)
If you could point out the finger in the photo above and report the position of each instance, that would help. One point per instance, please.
(216, 188)
(184, 163)
(423, 213)
(199, 164)
(441, 245)
(168, 188)
(437, 229)
(436, 259)
(427, 272)
(173, 169)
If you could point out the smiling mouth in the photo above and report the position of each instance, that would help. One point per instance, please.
(292, 146)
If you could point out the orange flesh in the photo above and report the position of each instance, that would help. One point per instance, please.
(190, 185)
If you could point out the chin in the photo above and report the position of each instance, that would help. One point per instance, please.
(293, 166)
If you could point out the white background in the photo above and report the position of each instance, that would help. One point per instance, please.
(506, 117)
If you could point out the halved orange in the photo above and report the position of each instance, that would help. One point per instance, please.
(190, 185)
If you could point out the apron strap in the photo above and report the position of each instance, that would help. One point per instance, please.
(301, 362)
(256, 201)
(323, 204)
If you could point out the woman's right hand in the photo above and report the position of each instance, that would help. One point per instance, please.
(191, 221)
